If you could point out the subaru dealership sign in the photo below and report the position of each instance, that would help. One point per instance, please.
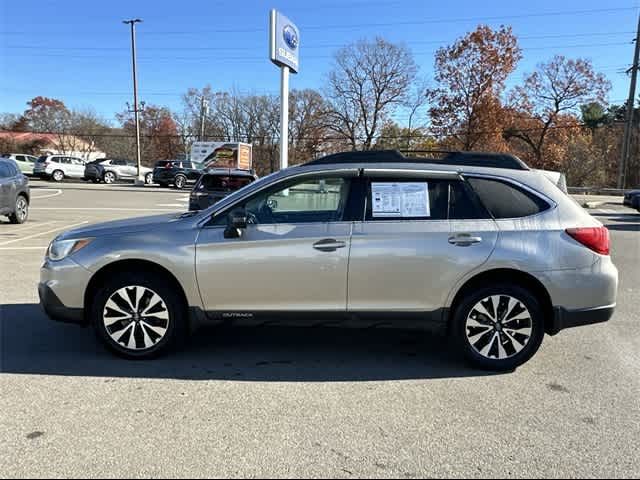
(284, 41)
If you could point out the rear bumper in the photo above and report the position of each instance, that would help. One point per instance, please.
(563, 318)
(56, 310)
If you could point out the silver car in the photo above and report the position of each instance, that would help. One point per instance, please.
(474, 245)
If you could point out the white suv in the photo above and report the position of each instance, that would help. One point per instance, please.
(59, 167)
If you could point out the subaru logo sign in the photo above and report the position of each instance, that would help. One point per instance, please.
(290, 37)
(284, 41)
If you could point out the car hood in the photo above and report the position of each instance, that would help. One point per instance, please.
(118, 227)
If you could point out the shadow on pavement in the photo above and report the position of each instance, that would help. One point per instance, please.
(32, 344)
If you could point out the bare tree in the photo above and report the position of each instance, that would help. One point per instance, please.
(556, 88)
(307, 124)
(369, 79)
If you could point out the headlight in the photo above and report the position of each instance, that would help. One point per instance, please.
(61, 249)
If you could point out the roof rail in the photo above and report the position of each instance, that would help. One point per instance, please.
(465, 159)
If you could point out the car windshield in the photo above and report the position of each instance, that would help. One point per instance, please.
(42, 159)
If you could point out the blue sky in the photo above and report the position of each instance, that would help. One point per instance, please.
(78, 51)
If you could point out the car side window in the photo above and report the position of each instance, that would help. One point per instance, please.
(4, 170)
(402, 198)
(506, 200)
(313, 200)
(20, 158)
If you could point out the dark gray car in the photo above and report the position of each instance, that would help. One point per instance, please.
(14, 192)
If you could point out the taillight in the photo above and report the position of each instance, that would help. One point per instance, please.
(594, 238)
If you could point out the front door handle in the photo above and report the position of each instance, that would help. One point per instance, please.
(329, 245)
(464, 240)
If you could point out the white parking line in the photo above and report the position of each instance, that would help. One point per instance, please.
(31, 226)
(58, 193)
(176, 205)
(28, 237)
(2, 249)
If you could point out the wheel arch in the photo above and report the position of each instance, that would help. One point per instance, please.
(135, 265)
(509, 276)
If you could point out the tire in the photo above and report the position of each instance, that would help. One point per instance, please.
(21, 211)
(57, 176)
(109, 178)
(148, 178)
(180, 182)
(490, 345)
(153, 335)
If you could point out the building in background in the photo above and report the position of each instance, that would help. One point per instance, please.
(48, 144)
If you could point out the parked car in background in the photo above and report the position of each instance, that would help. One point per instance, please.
(25, 162)
(178, 173)
(629, 198)
(496, 257)
(14, 192)
(110, 170)
(59, 167)
(635, 202)
(215, 184)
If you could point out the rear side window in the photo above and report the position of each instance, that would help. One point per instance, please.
(4, 170)
(421, 199)
(505, 200)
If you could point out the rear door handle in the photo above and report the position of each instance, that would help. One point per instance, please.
(329, 245)
(464, 240)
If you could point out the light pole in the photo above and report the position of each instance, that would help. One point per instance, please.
(136, 110)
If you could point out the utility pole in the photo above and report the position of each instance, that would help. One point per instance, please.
(626, 143)
(136, 109)
(204, 110)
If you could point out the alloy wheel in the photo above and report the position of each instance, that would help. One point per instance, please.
(180, 181)
(22, 209)
(58, 176)
(499, 327)
(149, 179)
(136, 318)
(109, 177)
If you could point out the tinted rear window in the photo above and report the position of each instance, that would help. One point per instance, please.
(505, 200)
(164, 163)
(224, 182)
(42, 159)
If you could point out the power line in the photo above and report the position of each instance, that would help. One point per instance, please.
(368, 25)
(244, 58)
(307, 47)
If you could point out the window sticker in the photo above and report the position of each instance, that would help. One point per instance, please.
(400, 200)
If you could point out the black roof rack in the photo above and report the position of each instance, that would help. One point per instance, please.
(438, 157)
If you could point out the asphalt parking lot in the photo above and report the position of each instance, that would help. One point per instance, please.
(283, 403)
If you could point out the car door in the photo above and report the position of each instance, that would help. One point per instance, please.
(412, 249)
(292, 257)
(76, 167)
(23, 163)
(6, 184)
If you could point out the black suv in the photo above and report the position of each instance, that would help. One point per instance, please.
(178, 173)
(216, 184)
(14, 192)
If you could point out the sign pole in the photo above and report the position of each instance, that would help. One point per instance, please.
(284, 117)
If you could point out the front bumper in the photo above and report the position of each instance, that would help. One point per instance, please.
(563, 318)
(61, 290)
(56, 310)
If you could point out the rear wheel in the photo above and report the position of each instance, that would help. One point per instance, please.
(499, 327)
(137, 316)
(148, 179)
(109, 177)
(21, 211)
(57, 176)
(180, 182)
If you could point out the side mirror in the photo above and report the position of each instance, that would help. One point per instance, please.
(236, 222)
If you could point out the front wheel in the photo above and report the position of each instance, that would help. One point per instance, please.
(499, 328)
(148, 179)
(109, 178)
(138, 316)
(57, 176)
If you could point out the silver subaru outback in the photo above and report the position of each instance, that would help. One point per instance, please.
(477, 246)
